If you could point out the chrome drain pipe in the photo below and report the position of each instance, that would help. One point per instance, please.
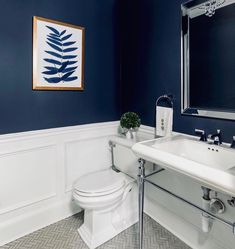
(206, 220)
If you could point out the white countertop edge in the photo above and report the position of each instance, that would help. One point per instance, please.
(218, 179)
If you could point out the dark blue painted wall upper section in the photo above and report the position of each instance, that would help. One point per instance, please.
(149, 35)
(21, 108)
(151, 53)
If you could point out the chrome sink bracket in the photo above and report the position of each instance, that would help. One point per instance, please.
(113, 145)
(213, 216)
(141, 176)
(155, 172)
(141, 180)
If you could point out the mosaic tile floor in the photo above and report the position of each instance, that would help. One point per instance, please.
(64, 235)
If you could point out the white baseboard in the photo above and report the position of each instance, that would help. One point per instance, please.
(39, 218)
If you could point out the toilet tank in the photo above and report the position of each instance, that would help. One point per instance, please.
(124, 159)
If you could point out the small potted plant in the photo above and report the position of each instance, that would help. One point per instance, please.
(130, 122)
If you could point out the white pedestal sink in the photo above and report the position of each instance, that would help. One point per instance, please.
(212, 165)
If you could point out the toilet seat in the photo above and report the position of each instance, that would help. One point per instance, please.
(100, 183)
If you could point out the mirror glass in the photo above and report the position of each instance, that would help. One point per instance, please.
(208, 58)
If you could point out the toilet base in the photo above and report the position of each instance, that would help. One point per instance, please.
(99, 227)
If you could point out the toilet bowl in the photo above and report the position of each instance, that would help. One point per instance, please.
(109, 200)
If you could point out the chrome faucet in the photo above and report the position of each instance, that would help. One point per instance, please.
(216, 138)
(202, 134)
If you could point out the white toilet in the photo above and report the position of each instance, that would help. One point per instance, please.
(110, 201)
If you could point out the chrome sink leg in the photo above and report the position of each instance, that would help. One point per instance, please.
(141, 176)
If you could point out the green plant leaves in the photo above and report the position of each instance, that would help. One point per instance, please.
(130, 120)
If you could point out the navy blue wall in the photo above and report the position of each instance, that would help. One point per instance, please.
(21, 108)
(151, 63)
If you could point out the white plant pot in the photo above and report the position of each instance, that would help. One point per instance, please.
(131, 134)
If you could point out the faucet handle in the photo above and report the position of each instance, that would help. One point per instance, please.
(233, 143)
(215, 138)
(219, 136)
(218, 132)
(202, 134)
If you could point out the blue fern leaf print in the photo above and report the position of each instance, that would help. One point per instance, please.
(55, 31)
(72, 62)
(56, 38)
(71, 78)
(55, 41)
(69, 50)
(57, 48)
(51, 72)
(63, 66)
(68, 43)
(51, 68)
(60, 56)
(53, 80)
(65, 76)
(53, 61)
(66, 37)
(52, 34)
(67, 57)
(63, 32)
(68, 69)
(54, 54)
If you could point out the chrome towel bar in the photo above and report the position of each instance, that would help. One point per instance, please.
(168, 97)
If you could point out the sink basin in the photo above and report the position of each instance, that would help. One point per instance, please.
(212, 165)
(210, 155)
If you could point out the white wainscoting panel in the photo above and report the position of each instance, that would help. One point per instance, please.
(27, 177)
(38, 169)
(37, 172)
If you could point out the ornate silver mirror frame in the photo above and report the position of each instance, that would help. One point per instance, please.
(190, 10)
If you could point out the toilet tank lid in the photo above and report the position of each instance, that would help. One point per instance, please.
(100, 182)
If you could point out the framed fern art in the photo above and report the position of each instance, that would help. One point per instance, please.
(58, 55)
